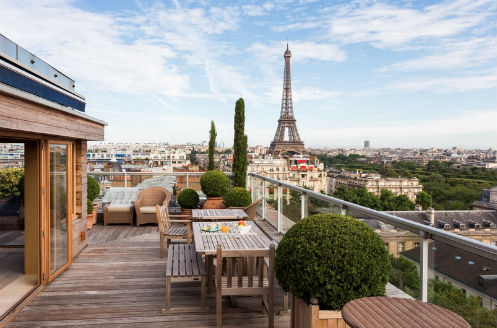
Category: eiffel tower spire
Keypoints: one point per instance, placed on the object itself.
(287, 121)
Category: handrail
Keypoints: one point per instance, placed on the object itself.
(461, 242)
(152, 173)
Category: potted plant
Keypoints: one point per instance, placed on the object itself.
(214, 185)
(237, 197)
(91, 213)
(92, 192)
(330, 259)
(188, 199)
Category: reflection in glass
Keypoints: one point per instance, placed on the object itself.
(58, 206)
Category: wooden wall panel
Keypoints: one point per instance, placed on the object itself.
(79, 223)
(24, 116)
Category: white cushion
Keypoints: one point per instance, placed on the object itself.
(118, 208)
(147, 209)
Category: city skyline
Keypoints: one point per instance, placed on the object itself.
(400, 74)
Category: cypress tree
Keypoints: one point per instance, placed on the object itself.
(239, 146)
(212, 147)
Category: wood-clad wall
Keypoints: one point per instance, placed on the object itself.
(79, 223)
(17, 114)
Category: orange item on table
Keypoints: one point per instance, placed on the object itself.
(241, 222)
(225, 229)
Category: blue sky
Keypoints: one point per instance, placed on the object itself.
(399, 73)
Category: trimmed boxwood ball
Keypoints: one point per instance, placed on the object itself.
(89, 206)
(188, 198)
(334, 258)
(93, 188)
(237, 197)
(214, 183)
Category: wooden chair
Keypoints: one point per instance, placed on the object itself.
(172, 229)
(250, 210)
(184, 264)
(233, 282)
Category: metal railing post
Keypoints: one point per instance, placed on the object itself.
(264, 199)
(252, 189)
(187, 180)
(280, 203)
(303, 205)
(423, 268)
(343, 209)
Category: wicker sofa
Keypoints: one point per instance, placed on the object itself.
(146, 201)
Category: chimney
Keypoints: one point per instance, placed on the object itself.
(431, 214)
(418, 207)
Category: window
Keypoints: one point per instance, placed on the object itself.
(400, 247)
(416, 244)
(386, 245)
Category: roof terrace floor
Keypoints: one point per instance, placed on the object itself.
(118, 281)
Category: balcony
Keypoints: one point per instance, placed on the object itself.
(118, 280)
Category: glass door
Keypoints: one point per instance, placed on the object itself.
(59, 217)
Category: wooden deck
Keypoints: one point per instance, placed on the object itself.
(118, 281)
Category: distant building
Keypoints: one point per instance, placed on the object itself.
(479, 225)
(474, 275)
(374, 183)
(487, 200)
(367, 144)
(298, 170)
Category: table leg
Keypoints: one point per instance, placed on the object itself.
(210, 273)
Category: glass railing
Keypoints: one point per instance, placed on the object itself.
(429, 263)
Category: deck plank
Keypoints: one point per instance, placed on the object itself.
(120, 283)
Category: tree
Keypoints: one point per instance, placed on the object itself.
(240, 146)
(9, 181)
(403, 203)
(387, 199)
(193, 156)
(424, 199)
(212, 147)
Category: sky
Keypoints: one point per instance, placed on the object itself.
(398, 73)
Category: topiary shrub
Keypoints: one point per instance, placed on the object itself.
(214, 183)
(333, 258)
(89, 206)
(92, 188)
(237, 197)
(188, 198)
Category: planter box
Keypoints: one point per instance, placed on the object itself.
(310, 316)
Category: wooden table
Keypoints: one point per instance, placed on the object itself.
(224, 214)
(390, 312)
(206, 242)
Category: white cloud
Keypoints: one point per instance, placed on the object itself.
(300, 51)
(460, 124)
(258, 10)
(452, 55)
(313, 93)
(390, 26)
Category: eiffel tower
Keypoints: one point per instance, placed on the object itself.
(287, 121)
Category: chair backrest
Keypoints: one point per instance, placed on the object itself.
(251, 210)
(245, 271)
(162, 213)
(154, 196)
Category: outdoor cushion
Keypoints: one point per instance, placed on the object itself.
(147, 209)
(118, 208)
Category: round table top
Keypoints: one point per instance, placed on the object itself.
(390, 312)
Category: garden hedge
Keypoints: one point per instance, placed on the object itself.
(188, 198)
(333, 258)
(214, 183)
(237, 197)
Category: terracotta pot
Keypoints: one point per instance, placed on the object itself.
(89, 219)
(95, 215)
(186, 211)
(214, 203)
